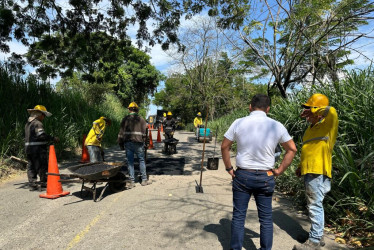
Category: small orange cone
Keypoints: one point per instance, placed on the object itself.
(150, 140)
(54, 188)
(85, 155)
(162, 129)
(158, 135)
(152, 126)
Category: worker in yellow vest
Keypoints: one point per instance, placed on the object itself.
(316, 163)
(197, 122)
(94, 138)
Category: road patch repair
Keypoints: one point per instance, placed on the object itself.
(163, 166)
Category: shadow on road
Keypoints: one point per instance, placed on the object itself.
(223, 232)
(288, 224)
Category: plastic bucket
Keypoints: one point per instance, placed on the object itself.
(213, 163)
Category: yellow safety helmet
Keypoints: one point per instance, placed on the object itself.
(317, 100)
(169, 113)
(164, 114)
(40, 108)
(133, 105)
(199, 114)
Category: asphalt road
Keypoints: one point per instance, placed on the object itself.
(169, 214)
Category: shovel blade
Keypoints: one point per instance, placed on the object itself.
(199, 189)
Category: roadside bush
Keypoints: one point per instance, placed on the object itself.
(72, 115)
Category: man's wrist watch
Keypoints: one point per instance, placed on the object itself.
(229, 169)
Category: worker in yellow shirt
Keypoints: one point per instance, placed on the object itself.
(197, 122)
(94, 138)
(316, 163)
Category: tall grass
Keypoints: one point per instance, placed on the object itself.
(72, 116)
(350, 204)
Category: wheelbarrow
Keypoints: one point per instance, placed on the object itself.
(170, 146)
(94, 173)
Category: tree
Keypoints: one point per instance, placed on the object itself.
(204, 65)
(297, 41)
(110, 62)
(27, 21)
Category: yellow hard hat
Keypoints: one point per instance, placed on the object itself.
(164, 114)
(133, 105)
(40, 108)
(169, 113)
(317, 100)
(199, 114)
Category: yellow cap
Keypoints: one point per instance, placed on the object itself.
(169, 113)
(199, 114)
(317, 100)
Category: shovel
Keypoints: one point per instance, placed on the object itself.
(213, 162)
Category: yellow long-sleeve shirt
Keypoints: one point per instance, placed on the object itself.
(318, 143)
(197, 121)
(96, 133)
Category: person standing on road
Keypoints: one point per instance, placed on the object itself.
(94, 138)
(256, 136)
(197, 122)
(131, 137)
(316, 162)
(36, 146)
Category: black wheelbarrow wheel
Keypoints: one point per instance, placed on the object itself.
(117, 183)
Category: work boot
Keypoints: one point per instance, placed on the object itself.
(131, 185)
(308, 245)
(304, 237)
(146, 182)
(33, 187)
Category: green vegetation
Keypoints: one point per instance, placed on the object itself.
(350, 204)
(72, 113)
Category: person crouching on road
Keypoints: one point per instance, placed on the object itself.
(257, 137)
(94, 138)
(36, 146)
(131, 137)
(316, 163)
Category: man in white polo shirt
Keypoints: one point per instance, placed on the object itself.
(256, 136)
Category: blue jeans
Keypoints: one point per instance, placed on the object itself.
(316, 187)
(132, 149)
(94, 152)
(262, 187)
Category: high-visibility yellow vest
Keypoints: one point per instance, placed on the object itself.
(198, 121)
(318, 143)
(96, 133)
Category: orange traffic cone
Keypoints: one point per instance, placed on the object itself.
(150, 140)
(158, 135)
(85, 155)
(54, 188)
(162, 129)
(152, 126)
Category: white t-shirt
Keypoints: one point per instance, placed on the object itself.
(257, 136)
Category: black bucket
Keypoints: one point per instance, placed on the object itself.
(213, 163)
